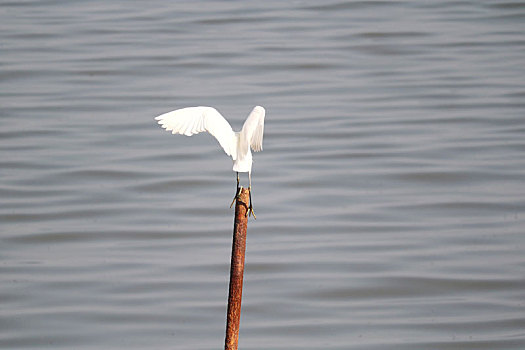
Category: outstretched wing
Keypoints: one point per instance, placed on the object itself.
(253, 128)
(193, 120)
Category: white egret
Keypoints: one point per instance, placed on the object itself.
(238, 145)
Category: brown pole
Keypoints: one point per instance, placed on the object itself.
(237, 271)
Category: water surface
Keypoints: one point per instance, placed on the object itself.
(390, 194)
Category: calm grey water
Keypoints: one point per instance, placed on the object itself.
(390, 195)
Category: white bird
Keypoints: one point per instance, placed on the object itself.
(193, 120)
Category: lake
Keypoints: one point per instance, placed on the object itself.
(390, 195)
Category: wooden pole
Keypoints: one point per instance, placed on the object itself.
(237, 270)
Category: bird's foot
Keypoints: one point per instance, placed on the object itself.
(250, 208)
(239, 189)
(251, 212)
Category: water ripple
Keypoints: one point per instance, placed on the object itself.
(389, 195)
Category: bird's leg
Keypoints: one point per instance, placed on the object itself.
(238, 192)
(250, 207)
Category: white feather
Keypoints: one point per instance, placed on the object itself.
(193, 120)
(253, 128)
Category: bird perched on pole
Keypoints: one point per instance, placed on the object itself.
(237, 144)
